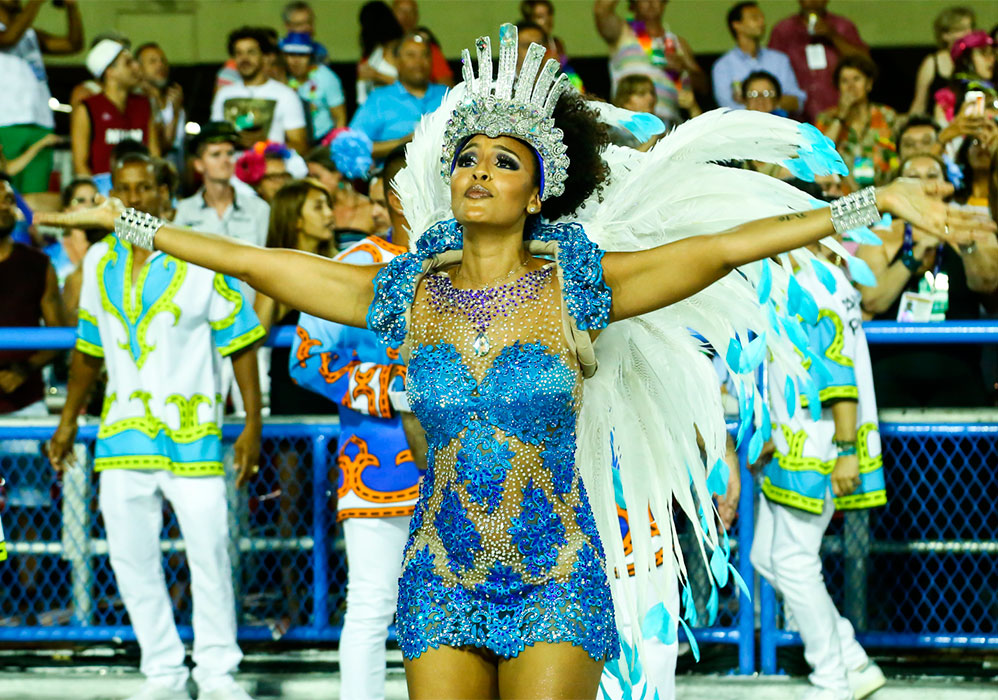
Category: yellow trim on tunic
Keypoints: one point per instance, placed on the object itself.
(240, 342)
(89, 348)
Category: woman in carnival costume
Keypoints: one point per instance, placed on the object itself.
(514, 202)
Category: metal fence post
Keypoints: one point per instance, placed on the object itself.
(320, 526)
(855, 560)
(76, 547)
(746, 531)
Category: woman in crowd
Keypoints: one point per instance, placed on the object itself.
(863, 131)
(937, 68)
(919, 278)
(380, 31)
(504, 590)
(79, 194)
(974, 69)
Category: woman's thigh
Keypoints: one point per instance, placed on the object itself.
(556, 671)
(449, 672)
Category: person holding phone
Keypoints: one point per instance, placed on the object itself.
(25, 115)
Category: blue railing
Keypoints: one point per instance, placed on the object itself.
(943, 447)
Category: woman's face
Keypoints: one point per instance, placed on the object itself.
(982, 59)
(855, 84)
(642, 101)
(316, 218)
(493, 182)
(961, 28)
(84, 197)
(760, 96)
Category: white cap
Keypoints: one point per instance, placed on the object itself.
(102, 55)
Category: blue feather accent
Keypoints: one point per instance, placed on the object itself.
(824, 275)
(864, 236)
(755, 446)
(767, 423)
(765, 282)
(351, 153)
(719, 566)
(694, 647)
(689, 606)
(643, 126)
(808, 307)
(861, 272)
(717, 480)
(794, 292)
(734, 355)
(712, 607)
(754, 354)
(790, 396)
(618, 490)
(795, 332)
(739, 581)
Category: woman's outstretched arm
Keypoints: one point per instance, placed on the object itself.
(651, 279)
(303, 281)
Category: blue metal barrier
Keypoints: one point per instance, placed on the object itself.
(935, 584)
(951, 612)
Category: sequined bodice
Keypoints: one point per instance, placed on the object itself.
(501, 488)
(503, 549)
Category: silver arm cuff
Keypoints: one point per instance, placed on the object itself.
(138, 228)
(855, 211)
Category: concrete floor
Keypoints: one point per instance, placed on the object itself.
(103, 673)
(103, 683)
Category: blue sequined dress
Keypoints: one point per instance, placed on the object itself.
(503, 551)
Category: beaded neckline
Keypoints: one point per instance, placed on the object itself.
(482, 306)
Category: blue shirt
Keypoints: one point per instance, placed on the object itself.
(321, 91)
(392, 112)
(735, 66)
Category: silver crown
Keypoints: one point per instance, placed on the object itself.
(494, 108)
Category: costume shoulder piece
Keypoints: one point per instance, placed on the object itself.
(587, 295)
(394, 288)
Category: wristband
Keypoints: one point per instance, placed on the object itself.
(909, 260)
(845, 448)
(137, 227)
(857, 210)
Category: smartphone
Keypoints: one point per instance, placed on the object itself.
(973, 103)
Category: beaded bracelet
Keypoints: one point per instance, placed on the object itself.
(137, 227)
(855, 211)
(845, 448)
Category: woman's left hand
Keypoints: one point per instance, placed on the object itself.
(920, 202)
(102, 216)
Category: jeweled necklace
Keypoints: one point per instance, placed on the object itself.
(481, 306)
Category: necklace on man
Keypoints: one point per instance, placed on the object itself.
(482, 306)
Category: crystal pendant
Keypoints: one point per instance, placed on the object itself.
(481, 345)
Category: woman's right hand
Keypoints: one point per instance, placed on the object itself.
(102, 216)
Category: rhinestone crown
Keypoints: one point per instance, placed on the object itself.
(495, 108)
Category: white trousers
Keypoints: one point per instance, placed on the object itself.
(374, 564)
(658, 660)
(131, 502)
(786, 553)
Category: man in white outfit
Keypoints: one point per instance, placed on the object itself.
(162, 327)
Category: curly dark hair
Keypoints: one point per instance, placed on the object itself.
(586, 137)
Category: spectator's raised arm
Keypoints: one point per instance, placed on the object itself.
(72, 41)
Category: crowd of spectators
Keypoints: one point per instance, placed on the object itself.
(280, 114)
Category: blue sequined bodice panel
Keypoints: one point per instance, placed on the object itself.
(503, 552)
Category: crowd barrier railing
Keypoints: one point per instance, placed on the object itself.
(292, 569)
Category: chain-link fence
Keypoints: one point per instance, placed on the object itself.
(289, 568)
